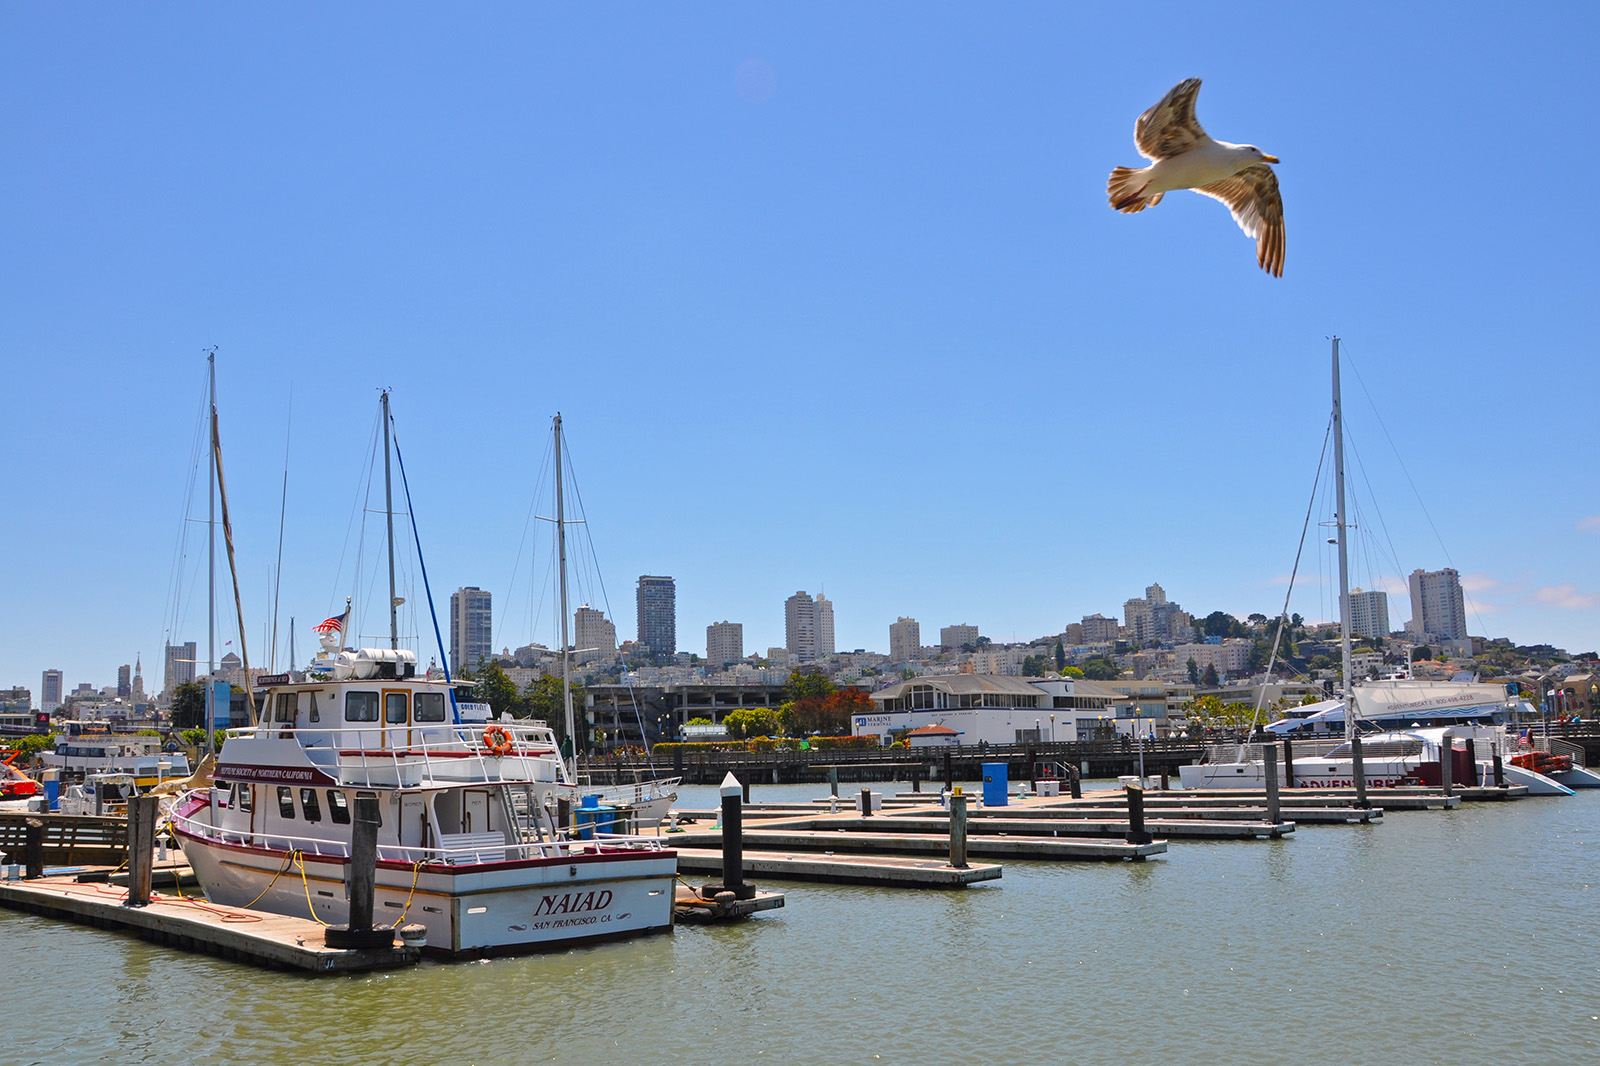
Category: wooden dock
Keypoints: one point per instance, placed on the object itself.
(1079, 849)
(256, 937)
(692, 906)
(886, 871)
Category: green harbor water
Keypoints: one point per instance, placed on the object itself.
(1471, 936)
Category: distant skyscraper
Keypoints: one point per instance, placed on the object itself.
(124, 681)
(138, 680)
(471, 627)
(951, 638)
(50, 691)
(180, 667)
(724, 643)
(657, 602)
(1438, 610)
(1369, 613)
(905, 640)
(800, 626)
(824, 608)
(594, 636)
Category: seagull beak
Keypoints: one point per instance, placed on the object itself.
(1269, 158)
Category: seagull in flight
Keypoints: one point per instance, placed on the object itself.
(1183, 157)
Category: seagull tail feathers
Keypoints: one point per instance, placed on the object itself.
(1125, 190)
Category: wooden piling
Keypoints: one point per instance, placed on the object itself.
(1472, 764)
(33, 849)
(866, 803)
(949, 772)
(833, 780)
(143, 813)
(1136, 833)
(1358, 772)
(1075, 781)
(1269, 763)
(361, 878)
(733, 839)
(958, 831)
(1499, 770)
(1288, 763)
(1447, 745)
(744, 790)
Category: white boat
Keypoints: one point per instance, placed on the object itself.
(469, 845)
(105, 794)
(78, 755)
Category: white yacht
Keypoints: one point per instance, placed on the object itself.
(469, 846)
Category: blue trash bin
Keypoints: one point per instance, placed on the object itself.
(994, 784)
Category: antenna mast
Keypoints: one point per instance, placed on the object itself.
(388, 513)
(1340, 525)
(566, 649)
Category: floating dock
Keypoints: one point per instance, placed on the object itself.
(788, 839)
(887, 871)
(270, 940)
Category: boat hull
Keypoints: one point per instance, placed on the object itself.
(468, 910)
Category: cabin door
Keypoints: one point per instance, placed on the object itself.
(474, 812)
(396, 718)
(413, 827)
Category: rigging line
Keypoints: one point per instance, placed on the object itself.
(438, 638)
(283, 510)
(363, 475)
(606, 599)
(174, 603)
(527, 526)
(1409, 480)
(1367, 481)
(1294, 571)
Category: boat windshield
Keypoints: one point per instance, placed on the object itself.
(1386, 748)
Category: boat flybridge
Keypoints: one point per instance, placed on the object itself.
(468, 846)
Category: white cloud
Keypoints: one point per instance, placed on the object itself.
(1566, 597)
(1478, 583)
(1590, 524)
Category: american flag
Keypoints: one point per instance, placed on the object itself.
(332, 625)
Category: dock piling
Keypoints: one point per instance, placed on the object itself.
(361, 881)
(1358, 771)
(732, 844)
(1499, 770)
(33, 848)
(1472, 764)
(1269, 764)
(1075, 781)
(866, 803)
(143, 813)
(1447, 755)
(958, 831)
(1288, 763)
(833, 780)
(1136, 833)
(949, 773)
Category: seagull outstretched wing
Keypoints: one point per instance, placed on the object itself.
(1170, 128)
(1252, 195)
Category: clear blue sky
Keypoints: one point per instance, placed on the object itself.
(829, 297)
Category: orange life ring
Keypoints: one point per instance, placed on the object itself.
(497, 740)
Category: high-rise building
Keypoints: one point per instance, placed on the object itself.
(824, 610)
(1369, 613)
(951, 638)
(800, 626)
(50, 691)
(124, 681)
(657, 602)
(180, 668)
(905, 640)
(724, 643)
(1438, 610)
(594, 636)
(1098, 629)
(471, 627)
(138, 680)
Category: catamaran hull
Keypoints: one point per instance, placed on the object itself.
(1336, 773)
(480, 909)
(1577, 777)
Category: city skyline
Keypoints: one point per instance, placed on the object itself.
(605, 220)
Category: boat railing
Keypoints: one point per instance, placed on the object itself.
(377, 755)
(461, 850)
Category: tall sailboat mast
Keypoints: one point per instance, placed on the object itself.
(388, 513)
(1341, 525)
(211, 560)
(561, 556)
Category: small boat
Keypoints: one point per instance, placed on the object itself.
(103, 794)
(19, 793)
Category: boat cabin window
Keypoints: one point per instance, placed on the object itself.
(1381, 749)
(316, 715)
(308, 803)
(428, 706)
(226, 797)
(286, 801)
(361, 706)
(284, 707)
(245, 794)
(338, 807)
(394, 708)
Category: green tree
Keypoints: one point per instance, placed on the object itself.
(699, 721)
(1209, 679)
(497, 690)
(1061, 656)
(1194, 671)
(189, 706)
(1222, 624)
(29, 746)
(1101, 668)
(752, 722)
(810, 684)
(1035, 665)
(1071, 671)
(542, 700)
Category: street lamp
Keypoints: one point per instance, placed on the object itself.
(1139, 740)
(1052, 729)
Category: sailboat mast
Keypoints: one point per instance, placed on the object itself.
(388, 513)
(211, 563)
(561, 555)
(1341, 526)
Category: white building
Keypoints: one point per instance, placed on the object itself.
(724, 644)
(998, 710)
(1369, 613)
(471, 627)
(594, 636)
(1438, 610)
(50, 696)
(1098, 629)
(1229, 657)
(905, 640)
(824, 612)
(951, 638)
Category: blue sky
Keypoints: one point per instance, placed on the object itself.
(829, 297)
